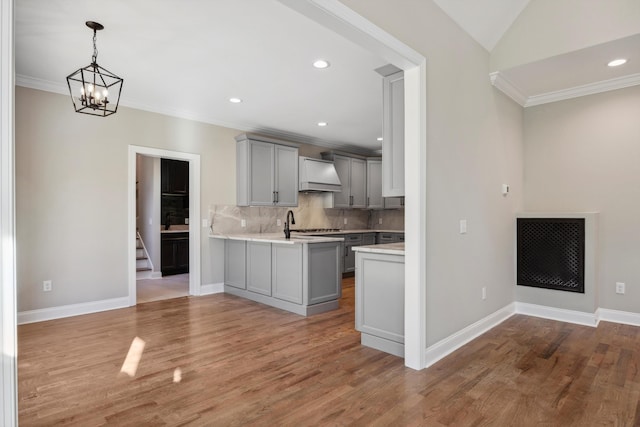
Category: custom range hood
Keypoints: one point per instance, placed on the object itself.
(318, 175)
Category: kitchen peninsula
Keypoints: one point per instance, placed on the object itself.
(302, 274)
(380, 296)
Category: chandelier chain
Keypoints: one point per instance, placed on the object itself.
(94, 58)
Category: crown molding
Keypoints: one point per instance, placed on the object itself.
(584, 90)
(62, 89)
(504, 85)
(512, 91)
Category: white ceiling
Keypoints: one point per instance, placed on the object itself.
(188, 58)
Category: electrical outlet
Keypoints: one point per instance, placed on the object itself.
(620, 288)
(278, 222)
(463, 226)
(205, 223)
(484, 292)
(46, 286)
(345, 221)
(186, 221)
(243, 223)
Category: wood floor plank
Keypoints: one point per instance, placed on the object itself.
(242, 363)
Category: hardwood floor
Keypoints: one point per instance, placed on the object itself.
(243, 363)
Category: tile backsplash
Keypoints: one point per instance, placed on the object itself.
(310, 213)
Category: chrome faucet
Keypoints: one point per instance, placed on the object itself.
(287, 232)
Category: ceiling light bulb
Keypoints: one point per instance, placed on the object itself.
(617, 62)
(235, 100)
(105, 93)
(321, 63)
(322, 124)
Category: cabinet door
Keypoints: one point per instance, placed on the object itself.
(174, 176)
(286, 272)
(167, 256)
(358, 183)
(235, 263)
(374, 185)
(393, 202)
(393, 136)
(368, 239)
(261, 174)
(182, 255)
(286, 175)
(324, 272)
(341, 199)
(259, 267)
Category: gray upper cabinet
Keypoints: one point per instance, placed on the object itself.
(393, 135)
(353, 177)
(267, 173)
(374, 184)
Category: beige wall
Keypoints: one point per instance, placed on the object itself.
(584, 155)
(552, 27)
(474, 145)
(71, 194)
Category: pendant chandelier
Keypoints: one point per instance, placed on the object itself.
(93, 89)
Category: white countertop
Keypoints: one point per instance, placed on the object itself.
(356, 231)
(276, 238)
(385, 248)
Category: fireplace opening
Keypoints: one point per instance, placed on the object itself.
(550, 253)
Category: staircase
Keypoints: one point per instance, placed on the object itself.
(144, 267)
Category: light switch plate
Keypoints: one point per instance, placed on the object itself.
(205, 223)
(463, 226)
(243, 223)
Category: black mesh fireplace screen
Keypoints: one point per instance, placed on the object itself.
(550, 253)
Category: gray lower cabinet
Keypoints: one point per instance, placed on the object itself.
(259, 267)
(369, 239)
(380, 301)
(386, 237)
(351, 240)
(235, 258)
(304, 278)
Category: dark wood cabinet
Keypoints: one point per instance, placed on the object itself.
(174, 177)
(174, 253)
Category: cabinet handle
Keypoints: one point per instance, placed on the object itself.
(273, 197)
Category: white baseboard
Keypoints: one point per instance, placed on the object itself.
(51, 313)
(560, 314)
(450, 344)
(616, 316)
(213, 288)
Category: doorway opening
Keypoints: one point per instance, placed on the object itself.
(163, 224)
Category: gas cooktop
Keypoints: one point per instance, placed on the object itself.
(315, 230)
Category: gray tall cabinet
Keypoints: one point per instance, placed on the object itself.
(393, 135)
(266, 171)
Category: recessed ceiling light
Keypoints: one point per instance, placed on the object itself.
(321, 63)
(617, 62)
(379, 138)
(235, 100)
(322, 124)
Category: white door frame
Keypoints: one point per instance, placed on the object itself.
(195, 277)
(338, 17)
(8, 317)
